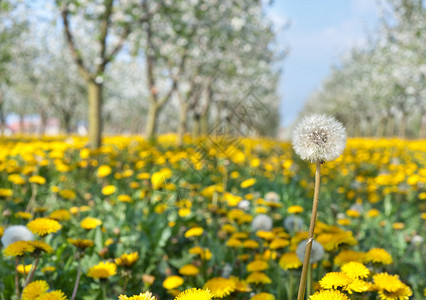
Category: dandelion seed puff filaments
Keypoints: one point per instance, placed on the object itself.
(16, 233)
(319, 138)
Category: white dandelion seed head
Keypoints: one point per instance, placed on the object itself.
(261, 222)
(317, 251)
(293, 223)
(244, 205)
(319, 138)
(272, 197)
(417, 240)
(357, 207)
(227, 270)
(16, 233)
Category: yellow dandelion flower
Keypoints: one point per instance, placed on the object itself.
(60, 215)
(355, 269)
(195, 294)
(344, 222)
(352, 213)
(379, 255)
(108, 190)
(290, 261)
(6, 192)
(266, 235)
(257, 266)
(372, 213)
(204, 254)
(67, 194)
(103, 171)
(333, 280)
(346, 256)
(240, 235)
(19, 248)
(127, 260)
(279, 243)
(48, 269)
(40, 246)
(16, 179)
(388, 283)
(358, 286)
(402, 293)
(263, 296)
(332, 241)
(124, 198)
(53, 295)
(229, 228)
(90, 223)
(328, 295)
(248, 183)
(102, 270)
(398, 225)
(250, 244)
(258, 278)
(234, 243)
(37, 179)
(220, 287)
(241, 286)
(194, 231)
(172, 282)
(23, 269)
(81, 243)
(1, 231)
(141, 296)
(189, 270)
(23, 215)
(295, 209)
(43, 226)
(34, 290)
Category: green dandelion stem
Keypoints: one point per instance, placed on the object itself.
(31, 202)
(104, 287)
(290, 286)
(302, 286)
(126, 281)
(77, 280)
(17, 278)
(32, 271)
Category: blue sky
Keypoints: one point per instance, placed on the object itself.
(319, 33)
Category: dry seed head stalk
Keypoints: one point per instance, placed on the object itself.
(319, 138)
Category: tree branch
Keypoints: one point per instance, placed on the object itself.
(71, 45)
(105, 24)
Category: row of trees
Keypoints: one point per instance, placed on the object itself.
(139, 66)
(380, 89)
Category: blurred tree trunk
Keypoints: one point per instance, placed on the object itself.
(95, 117)
(204, 126)
(93, 74)
(21, 123)
(403, 126)
(422, 133)
(390, 127)
(182, 121)
(43, 122)
(2, 115)
(66, 122)
(196, 124)
(380, 129)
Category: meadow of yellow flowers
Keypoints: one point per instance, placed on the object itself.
(211, 219)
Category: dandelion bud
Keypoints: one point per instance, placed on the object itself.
(319, 138)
